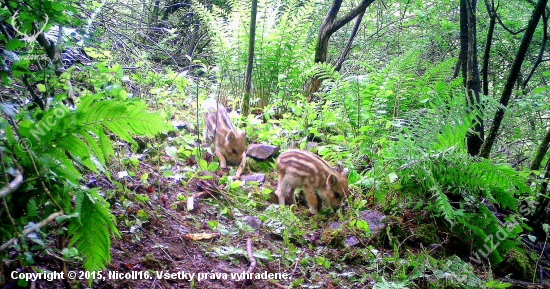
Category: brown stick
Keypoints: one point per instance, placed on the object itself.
(250, 256)
(33, 228)
(279, 285)
(13, 185)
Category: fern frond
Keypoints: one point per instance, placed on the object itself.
(324, 70)
(92, 142)
(443, 205)
(431, 170)
(78, 150)
(121, 118)
(61, 165)
(91, 231)
(105, 143)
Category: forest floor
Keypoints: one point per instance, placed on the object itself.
(165, 245)
(158, 235)
(161, 244)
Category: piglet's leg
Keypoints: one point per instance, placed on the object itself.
(223, 163)
(281, 190)
(240, 170)
(311, 198)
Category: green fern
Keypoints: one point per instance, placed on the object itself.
(434, 165)
(283, 50)
(81, 133)
(473, 180)
(91, 232)
(66, 142)
(326, 71)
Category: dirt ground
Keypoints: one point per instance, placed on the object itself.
(156, 249)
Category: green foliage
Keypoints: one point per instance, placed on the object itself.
(433, 166)
(394, 95)
(453, 273)
(56, 146)
(61, 135)
(60, 144)
(385, 94)
(390, 285)
(91, 231)
(283, 50)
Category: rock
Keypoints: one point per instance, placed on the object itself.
(339, 233)
(311, 145)
(352, 241)
(334, 225)
(181, 125)
(377, 221)
(260, 178)
(517, 264)
(261, 152)
(252, 221)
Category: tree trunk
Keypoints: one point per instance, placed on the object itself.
(490, 32)
(474, 140)
(541, 152)
(541, 216)
(329, 26)
(463, 56)
(513, 77)
(248, 77)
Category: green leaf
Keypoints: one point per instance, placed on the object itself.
(41, 87)
(212, 167)
(540, 89)
(32, 209)
(440, 86)
(363, 226)
(203, 165)
(145, 177)
(14, 44)
(171, 151)
(236, 184)
(353, 177)
(91, 232)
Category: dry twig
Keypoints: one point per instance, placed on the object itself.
(250, 256)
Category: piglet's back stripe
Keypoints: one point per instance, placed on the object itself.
(308, 157)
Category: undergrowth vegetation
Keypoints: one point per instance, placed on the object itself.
(284, 50)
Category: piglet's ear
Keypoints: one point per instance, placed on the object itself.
(332, 180)
(230, 136)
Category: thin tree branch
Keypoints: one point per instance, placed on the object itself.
(350, 16)
(487, 53)
(538, 61)
(350, 41)
(33, 228)
(13, 185)
(508, 29)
